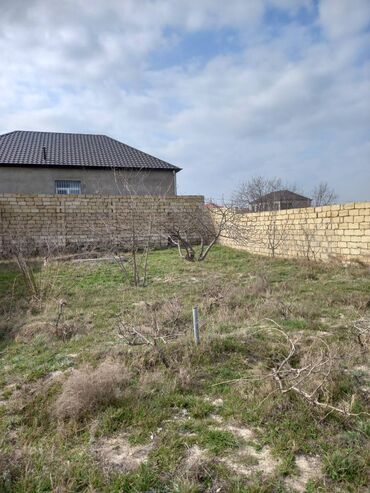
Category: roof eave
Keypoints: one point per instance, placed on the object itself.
(80, 166)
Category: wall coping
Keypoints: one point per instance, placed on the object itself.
(323, 208)
(95, 196)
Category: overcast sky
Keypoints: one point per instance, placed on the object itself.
(226, 89)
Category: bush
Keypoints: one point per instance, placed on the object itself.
(89, 389)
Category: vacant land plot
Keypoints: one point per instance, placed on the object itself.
(103, 390)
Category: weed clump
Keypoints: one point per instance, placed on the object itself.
(88, 389)
(11, 465)
(346, 466)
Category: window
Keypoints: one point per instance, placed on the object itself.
(67, 187)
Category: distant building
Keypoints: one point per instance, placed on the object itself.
(64, 163)
(280, 200)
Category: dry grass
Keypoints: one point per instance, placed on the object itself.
(89, 389)
(229, 304)
(10, 467)
(160, 320)
(63, 331)
(259, 285)
(185, 378)
(184, 426)
(30, 330)
(152, 381)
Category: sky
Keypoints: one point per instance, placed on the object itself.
(227, 90)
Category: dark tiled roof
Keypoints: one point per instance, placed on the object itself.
(22, 148)
(281, 195)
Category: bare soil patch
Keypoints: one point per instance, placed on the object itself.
(309, 468)
(118, 453)
(247, 460)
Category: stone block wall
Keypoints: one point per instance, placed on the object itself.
(40, 222)
(339, 232)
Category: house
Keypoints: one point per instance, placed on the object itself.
(67, 163)
(279, 200)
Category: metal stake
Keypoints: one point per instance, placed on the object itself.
(196, 326)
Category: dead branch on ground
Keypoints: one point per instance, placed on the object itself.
(362, 327)
(307, 380)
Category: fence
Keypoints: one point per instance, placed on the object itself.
(69, 222)
(331, 232)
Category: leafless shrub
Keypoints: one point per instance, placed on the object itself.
(310, 241)
(275, 307)
(28, 275)
(311, 238)
(64, 329)
(88, 389)
(170, 314)
(160, 323)
(38, 276)
(166, 318)
(9, 306)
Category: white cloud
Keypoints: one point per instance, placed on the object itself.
(294, 105)
(344, 17)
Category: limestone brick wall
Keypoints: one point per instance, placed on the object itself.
(331, 232)
(37, 222)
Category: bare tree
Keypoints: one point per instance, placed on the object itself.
(252, 193)
(128, 238)
(265, 194)
(204, 228)
(322, 194)
(276, 231)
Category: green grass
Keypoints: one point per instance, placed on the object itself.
(175, 409)
(218, 441)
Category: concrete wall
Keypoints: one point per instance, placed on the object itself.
(339, 232)
(35, 180)
(70, 222)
